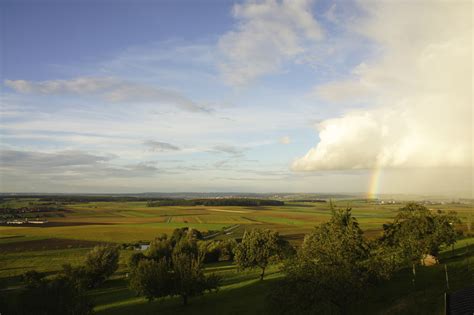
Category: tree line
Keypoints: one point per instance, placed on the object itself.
(245, 202)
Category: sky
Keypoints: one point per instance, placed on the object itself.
(370, 97)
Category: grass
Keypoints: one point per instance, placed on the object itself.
(126, 222)
(239, 290)
(242, 293)
(122, 222)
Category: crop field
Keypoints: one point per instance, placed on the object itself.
(121, 222)
(69, 234)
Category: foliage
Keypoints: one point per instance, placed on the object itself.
(416, 231)
(78, 276)
(332, 269)
(160, 247)
(101, 263)
(258, 249)
(151, 278)
(245, 202)
(189, 279)
(211, 249)
(57, 296)
(228, 247)
(135, 258)
(185, 232)
(181, 273)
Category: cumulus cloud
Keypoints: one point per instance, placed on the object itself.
(419, 88)
(108, 88)
(269, 33)
(157, 146)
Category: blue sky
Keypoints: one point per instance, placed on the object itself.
(288, 96)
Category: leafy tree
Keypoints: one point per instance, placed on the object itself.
(190, 247)
(181, 274)
(135, 258)
(331, 271)
(211, 249)
(101, 263)
(444, 231)
(228, 247)
(416, 231)
(160, 247)
(185, 232)
(189, 279)
(79, 276)
(258, 249)
(152, 279)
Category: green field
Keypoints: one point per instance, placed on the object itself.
(70, 234)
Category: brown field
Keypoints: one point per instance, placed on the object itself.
(43, 244)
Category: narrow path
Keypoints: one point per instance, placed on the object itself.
(229, 229)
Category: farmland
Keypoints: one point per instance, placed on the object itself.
(70, 233)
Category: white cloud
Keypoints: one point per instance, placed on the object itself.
(269, 33)
(419, 88)
(108, 88)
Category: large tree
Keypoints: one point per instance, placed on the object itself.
(417, 231)
(332, 269)
(101, 263)
(188, 277)
(258, 249)
(152, 279)
(172, 267)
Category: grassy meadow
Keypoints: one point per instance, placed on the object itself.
(70, 234)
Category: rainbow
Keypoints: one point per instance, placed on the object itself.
(374, 183)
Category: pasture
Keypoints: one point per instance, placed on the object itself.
(69, 234)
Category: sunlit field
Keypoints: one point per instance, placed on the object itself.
(121, 222)
(73, 231)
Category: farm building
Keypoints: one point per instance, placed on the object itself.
(38, 221)
(15, 222)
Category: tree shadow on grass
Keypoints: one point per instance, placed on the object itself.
(248, 299)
